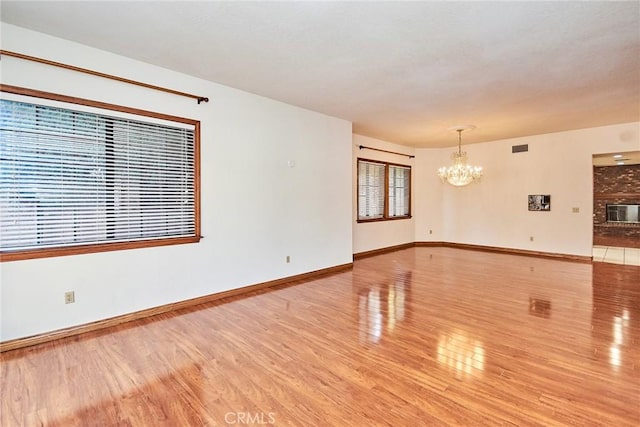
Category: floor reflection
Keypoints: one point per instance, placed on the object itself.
(615, 326)
(461, 354)
(382, 306)
(540, 307)
(370, 316)
(620, 335)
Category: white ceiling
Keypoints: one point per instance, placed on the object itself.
(400, 71)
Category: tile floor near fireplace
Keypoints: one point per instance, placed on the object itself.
(615, 255)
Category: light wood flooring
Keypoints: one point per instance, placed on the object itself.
(416, 337)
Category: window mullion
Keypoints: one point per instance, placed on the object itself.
(386, 190)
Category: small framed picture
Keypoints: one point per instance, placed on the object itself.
(539, 202)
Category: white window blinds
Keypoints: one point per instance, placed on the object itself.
(399, 178)
(71, 178)
(371, 194)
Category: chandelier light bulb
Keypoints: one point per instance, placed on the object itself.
(460, 173)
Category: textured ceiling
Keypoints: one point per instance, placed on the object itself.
(400, 71)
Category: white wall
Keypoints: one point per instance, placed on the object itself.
(380, 234)
(494, 212)
(255, 209)
(428, 194)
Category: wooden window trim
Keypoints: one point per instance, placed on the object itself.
(391, 218)
(386, 191)
(116, 246)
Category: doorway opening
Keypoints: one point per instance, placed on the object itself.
(616, 204)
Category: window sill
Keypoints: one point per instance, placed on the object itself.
(93, 248)
(395, 218)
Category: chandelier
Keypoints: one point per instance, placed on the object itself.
(460, 173)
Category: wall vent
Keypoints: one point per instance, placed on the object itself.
(520, 148)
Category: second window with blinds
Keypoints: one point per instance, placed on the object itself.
(384, 191)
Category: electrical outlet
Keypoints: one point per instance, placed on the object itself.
(69, 297)
(531, 238)
(288, 259)
(430, 231)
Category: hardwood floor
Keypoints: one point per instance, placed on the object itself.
(421, 336)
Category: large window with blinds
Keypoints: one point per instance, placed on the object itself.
(84, 178)
(384, 191)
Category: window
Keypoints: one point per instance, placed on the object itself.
(384, 191)
(623, 213)
(87, 179)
